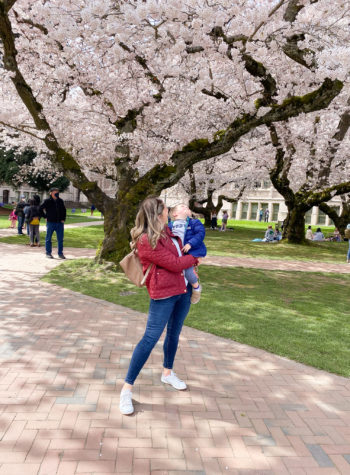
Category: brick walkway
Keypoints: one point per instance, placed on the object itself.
(62, 360)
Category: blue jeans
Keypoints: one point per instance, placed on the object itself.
(50, 228)
(170, 312)
(20, 222)
(348, 258)
(191, 276)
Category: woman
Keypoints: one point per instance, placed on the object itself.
(309, 234)
(170, 293)
(318, 236)
(224, 221)
(34, 223)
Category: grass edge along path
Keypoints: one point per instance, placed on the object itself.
(237, 243)
(301, 316)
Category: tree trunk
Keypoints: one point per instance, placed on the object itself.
(296, 226)
(204, 210)
(119, 218)
(341, 221)
(207, 219)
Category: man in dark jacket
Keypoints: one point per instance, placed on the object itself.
(19, 212)
(54, 212)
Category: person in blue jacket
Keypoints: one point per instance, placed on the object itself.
(192, 233)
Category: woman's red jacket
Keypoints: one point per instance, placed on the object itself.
(166, 278)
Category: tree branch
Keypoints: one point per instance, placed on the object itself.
(61, 158)
(202, 149)
(20, 130)
(291, 48)
(338, 137)
(8, 4)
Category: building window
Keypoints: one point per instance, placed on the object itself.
(337, 210)
(234, 210)
(266, 184)
(244, 211)
(275, 210)
(264, 206)
(308, 215)
(321, 217)
(254, 211)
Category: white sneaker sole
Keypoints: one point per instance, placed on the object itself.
(177, 388)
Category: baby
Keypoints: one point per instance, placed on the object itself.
(192, 233)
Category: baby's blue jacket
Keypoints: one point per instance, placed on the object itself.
(195, 234)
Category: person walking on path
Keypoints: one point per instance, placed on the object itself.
(20, 215)
(54, 211)
(169, 291)
(34, 223)
(192, 234)
(261, 212)
(347, 235)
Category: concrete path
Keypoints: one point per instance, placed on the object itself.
(274, 264)
(63, 357)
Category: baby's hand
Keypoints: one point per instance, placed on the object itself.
(186, 248)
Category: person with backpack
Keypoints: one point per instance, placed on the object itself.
(34, 223)
(170, 293)
(347, 235)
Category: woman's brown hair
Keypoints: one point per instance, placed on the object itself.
(148, 222)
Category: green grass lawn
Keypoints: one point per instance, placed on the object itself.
(87, 237)
(236, 243)
(305, 319)
(71, 219)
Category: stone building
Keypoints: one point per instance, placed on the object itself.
(262, 196)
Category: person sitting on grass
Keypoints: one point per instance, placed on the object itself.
(309, 234)
(277, 236)
(269, 234)
(318, 236)
(191, 232)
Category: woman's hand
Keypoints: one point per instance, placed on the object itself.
(200, 259)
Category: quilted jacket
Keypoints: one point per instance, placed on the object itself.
(166, 278)
(195, 234)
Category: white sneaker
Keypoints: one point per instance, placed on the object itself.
(174, 381)
(125, 403)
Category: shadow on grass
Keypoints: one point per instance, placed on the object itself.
(293, 314)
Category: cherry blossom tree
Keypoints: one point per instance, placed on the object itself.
(342, 219)
(220, 179)
(311, 162)
(140, 91)
(25, 167)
